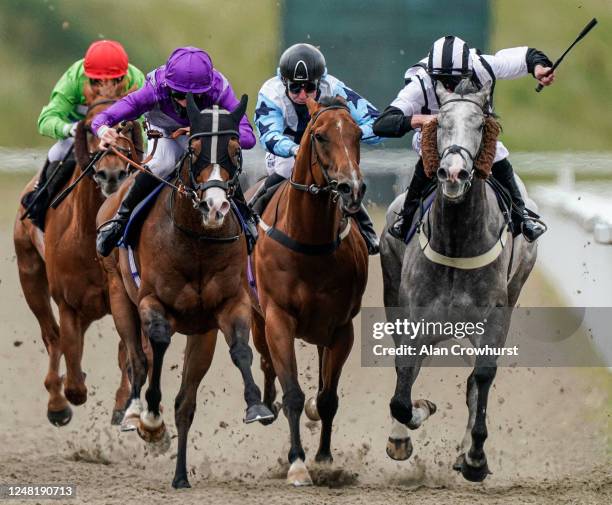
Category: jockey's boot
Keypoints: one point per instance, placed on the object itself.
(110, 232)
(250, 222)
(367, 230)
(530, 228)
(418, 184)
(264, 194)
(54, 175)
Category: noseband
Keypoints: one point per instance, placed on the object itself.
(330, 184)
(457, 149)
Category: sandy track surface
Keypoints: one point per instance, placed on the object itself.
(548, 428)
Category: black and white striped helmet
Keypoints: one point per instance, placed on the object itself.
(449, 56)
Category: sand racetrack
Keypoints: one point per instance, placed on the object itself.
(549, 428)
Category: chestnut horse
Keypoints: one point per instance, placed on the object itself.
(192, 255)
(62, 263)
(311, 269)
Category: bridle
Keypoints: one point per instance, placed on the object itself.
(228, 186)
(331, 185)
(457, 149)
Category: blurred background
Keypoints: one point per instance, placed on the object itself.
(367, 43)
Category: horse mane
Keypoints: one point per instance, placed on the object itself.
(482, 164)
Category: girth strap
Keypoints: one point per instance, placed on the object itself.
(308, 249)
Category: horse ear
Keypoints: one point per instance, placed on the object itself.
(443, 95)
(484, 94)
(313, 106)
(193, 111)
(239, 111)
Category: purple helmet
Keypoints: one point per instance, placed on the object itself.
(189, 69)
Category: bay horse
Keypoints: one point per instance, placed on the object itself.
(311, 268)
(62, 263)
(191, 256)
(462, 264)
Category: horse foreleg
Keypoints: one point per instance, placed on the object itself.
(122, 395)
(33, 277)
(280, 331)
(72, 329)
(473, 463)
(404, 411)
(158, 330)
(333, 360)
(258, 328)
(198, 357)
(127, 322)
(235, 325)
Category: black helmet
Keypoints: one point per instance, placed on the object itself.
(302, 62)
(449, 56)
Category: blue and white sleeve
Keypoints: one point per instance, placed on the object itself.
(363, 112)
(270, 123)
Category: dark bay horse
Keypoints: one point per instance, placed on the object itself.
(311, 267)
(62, 263)
(191, 254)
(462, 265)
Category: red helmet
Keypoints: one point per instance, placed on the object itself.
(105, 59)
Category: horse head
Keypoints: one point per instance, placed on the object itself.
(334, 143)
(462, 138)
(215, 158)
(109, 171)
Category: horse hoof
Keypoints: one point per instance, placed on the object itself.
(276, 408)
(130, 423)
(298, 475)
(473, 473)
(324, 459)
(76, 396)
(180, 483)
(151, 428)
(117, 417)
(399, 449)
(258, 412)
(60, 417)
(311, 409)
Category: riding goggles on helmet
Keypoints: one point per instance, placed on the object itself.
(296, 87)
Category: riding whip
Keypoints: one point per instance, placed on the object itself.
(582, 34)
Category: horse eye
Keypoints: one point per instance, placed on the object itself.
(320, 137)
(481, 126)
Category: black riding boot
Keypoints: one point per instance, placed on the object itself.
(264, 194)
(54, 175)
(248, 217)
(531, 229)
(111, 231)
(366, 227)
(418, 184)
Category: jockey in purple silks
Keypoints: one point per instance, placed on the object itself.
(162, 100)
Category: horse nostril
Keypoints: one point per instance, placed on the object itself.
(102, 175)
(204, 207)
(122, 175)
(344, 188)
(464, 175)
(225, 207)
(442, 174)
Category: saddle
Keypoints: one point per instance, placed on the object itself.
(504, 201)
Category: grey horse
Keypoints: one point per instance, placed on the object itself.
(462, 265)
